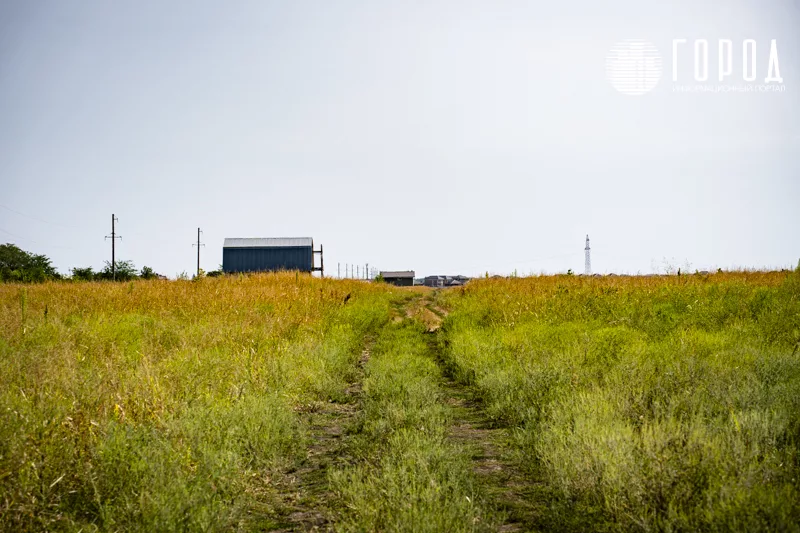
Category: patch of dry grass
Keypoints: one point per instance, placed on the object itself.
(162, 405)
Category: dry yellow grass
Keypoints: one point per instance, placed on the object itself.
(124, 405)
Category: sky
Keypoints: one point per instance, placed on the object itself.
(445, 137)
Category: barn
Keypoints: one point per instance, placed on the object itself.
(268, 254)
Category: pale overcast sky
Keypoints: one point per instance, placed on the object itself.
(441, 136)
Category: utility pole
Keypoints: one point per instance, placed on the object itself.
(113, 238)
(198, 251)
(358, 275)
(339, 270)
(366, 271)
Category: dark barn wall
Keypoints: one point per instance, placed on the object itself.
(400, 282)
(267, 259)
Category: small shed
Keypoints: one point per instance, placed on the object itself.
(268, 254)
(403, 278)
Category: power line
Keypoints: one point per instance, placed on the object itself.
(16, 236)
(24, 239)
(37, 218)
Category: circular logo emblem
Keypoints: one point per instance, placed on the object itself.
(633, 66)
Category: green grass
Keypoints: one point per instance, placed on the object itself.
(650, 404)
(408, 476)
(621, 404)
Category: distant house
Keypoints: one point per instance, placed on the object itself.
(445, 281)
(435, 281)
(268, 254)
(403, 278)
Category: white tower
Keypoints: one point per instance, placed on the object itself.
(588, 266)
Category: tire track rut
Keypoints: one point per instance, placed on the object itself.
(504, 484)
(306, 493)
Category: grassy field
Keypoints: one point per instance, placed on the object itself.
(285, 402)
(651, 404)
(158, 406)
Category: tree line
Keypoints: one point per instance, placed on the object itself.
(17, 265)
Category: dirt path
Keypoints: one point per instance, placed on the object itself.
(506, 487)
(307, 498)
(306, 495)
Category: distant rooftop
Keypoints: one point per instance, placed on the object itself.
(279, 242)
(397, 273)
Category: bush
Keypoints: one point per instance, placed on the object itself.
(125, 271)
(148, 273)
(83, 274)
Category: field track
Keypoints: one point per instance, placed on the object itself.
(308, 497)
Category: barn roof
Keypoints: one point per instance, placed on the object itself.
(280, 242)
(398, 274)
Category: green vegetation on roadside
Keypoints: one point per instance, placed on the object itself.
(163, 406)
(642, 404)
